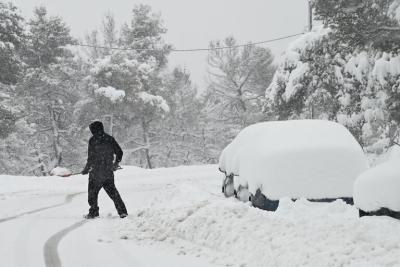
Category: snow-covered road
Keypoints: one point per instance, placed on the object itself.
(44, 227)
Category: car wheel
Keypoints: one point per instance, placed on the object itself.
(259, 200)
(227, 187)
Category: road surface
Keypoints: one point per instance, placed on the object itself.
(42, 229)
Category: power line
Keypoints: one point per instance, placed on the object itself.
(187, 50)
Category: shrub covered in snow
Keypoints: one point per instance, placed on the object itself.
(306, 158)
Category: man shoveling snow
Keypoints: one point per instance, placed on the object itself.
(100, 166)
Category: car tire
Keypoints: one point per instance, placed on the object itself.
(228, 187)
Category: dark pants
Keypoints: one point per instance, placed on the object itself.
(103, 179)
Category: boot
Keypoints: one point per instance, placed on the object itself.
(91, 216)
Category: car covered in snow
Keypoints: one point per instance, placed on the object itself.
(377, 190)
(315, 159)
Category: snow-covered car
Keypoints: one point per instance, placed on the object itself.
(315, 159)
(376, 191)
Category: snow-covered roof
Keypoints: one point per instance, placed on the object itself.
(379, 187)
(304, 158)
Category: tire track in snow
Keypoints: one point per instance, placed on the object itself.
(51, 257)
(68, 199)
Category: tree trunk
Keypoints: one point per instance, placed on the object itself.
(148, 159)
(111, 127)
(44, 173)
(147, 142)
(56, 140)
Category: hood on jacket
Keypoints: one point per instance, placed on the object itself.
(97, 128)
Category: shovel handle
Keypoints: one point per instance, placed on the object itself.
(68, 175)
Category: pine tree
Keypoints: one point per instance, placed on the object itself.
(182, 140)
(49, 90)
(308, 82)
(12, 36)
(239, 77)
(361, 23)
(145, 32)
(134, 118)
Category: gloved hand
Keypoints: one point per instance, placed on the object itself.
(85, 170)
(115, 166)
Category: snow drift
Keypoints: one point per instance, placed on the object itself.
(299, 233)
(307, 158)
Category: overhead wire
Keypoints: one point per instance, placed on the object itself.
(188, 50)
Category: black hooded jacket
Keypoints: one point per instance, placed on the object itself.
(102, 148)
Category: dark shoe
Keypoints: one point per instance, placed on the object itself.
(90, 216)
(123, 215)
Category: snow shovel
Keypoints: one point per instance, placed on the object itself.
(76, 173)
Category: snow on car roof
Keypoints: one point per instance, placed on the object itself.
(303, 158)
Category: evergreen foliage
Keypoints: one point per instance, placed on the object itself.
(12, 36)
(360, 23)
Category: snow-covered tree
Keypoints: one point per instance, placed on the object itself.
(49, 90)
(123, 86)
(321, 80)
(12, 35)
(239, 77)
(361, 23)
(369, 32)
(182, 139)
(216, 130)
(15, 134)
(144, 32)
(49, 37)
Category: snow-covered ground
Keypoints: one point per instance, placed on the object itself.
(179, 217)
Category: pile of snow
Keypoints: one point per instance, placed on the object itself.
(112, 93)
(306, 158)
(58, 171)
(379, 187)
(299, 233)
(157, 101)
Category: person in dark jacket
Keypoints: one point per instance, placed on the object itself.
(101, 166)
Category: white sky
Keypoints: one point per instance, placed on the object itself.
(190, 23)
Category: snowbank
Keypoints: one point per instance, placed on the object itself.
(379, 187)
(306, 158)
(298, 234)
